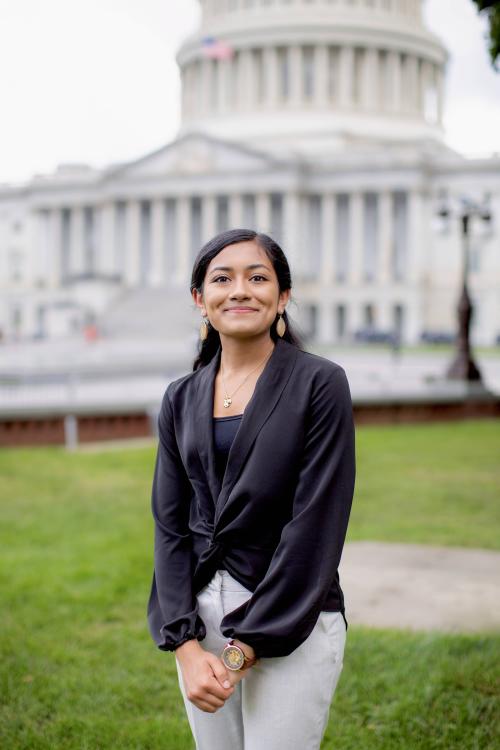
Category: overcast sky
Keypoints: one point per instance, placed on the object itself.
(95, 81)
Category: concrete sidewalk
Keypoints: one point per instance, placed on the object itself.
(421, 587)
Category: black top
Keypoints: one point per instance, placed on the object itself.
(278, 519)
(225, 429)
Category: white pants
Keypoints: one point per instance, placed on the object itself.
(283, 702)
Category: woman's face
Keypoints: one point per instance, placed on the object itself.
(241, 294)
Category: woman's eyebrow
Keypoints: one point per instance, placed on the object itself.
(247, 268)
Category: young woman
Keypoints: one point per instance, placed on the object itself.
(252, 492)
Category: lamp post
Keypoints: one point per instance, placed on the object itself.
(463, 366)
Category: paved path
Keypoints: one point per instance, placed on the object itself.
(421, 587)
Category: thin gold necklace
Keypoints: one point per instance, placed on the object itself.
(228, 398)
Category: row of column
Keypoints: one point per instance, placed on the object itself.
(410, 8)
(330, 238)
(344, 77)
(328, 322)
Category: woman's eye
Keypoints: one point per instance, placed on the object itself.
(257, 276)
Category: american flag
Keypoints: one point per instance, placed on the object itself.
(216, 49)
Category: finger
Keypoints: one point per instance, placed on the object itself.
(215, 688)
(208, 703)
(220, 671)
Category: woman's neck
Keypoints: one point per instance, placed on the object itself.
(242, 354)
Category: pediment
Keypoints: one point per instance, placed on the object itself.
(194, 155)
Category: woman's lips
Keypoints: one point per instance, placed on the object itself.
(241, 309)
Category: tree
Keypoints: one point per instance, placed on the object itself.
(491, 8)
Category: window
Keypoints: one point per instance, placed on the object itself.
(357, 76)
(369, 316)
(283, 73)
(222, 213)
(89, 239)
(259, 77)
(120, 235)
(340, 321)
(249, 211)
(310, 322)
(170, 236)
(308, 72)
(65, 243)
(196, 226)
(400, 234)
(333, 73)
(277, 217)
(314, 226)
(398, 321)
(370, 245)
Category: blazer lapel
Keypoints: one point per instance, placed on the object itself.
(268, 389)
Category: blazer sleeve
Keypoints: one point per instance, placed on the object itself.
(172, 609)
(285, 606)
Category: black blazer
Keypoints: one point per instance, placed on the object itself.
(279, 520)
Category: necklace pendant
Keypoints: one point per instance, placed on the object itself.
(227, 402)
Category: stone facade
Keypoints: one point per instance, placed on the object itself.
(324, 128)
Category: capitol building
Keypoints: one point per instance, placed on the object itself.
(319, 122)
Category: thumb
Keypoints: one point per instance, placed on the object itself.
(220, 671)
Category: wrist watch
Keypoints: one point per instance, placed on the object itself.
(234, 657)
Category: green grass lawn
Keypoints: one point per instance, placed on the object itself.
(78, 669)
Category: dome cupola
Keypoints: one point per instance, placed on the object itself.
(287, 72)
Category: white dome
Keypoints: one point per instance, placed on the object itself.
(300, 73)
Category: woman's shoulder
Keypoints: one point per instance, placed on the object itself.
(314, 364)
(184, 383)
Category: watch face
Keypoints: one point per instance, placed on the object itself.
(233, 658)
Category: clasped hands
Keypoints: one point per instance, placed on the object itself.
(207, 681)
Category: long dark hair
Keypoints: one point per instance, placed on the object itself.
(207, 349)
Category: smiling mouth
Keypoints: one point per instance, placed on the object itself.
(240, 309)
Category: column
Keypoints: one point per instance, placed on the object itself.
(248, 84)
(325, 333)
(157, 271)
(55, 260)
(132, 271)
(321, 74)
(410, 84)
(263, 211)
(385, 237)
(396, 81)
(328, 241)
(271, 71)
(356, 249)
(226, 75)
(370, 82)
(208, 212)
(416, 227)
(439, 77)
(218, 72)
(183, 255)
(42, 239)
(107, 256)
(76, 260)
(235, 211)
(206, 73)
(295, 62)
(346, 66)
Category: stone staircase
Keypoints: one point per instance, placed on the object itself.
(151, 313)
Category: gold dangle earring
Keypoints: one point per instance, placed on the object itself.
(204, 329)
(280, 326)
